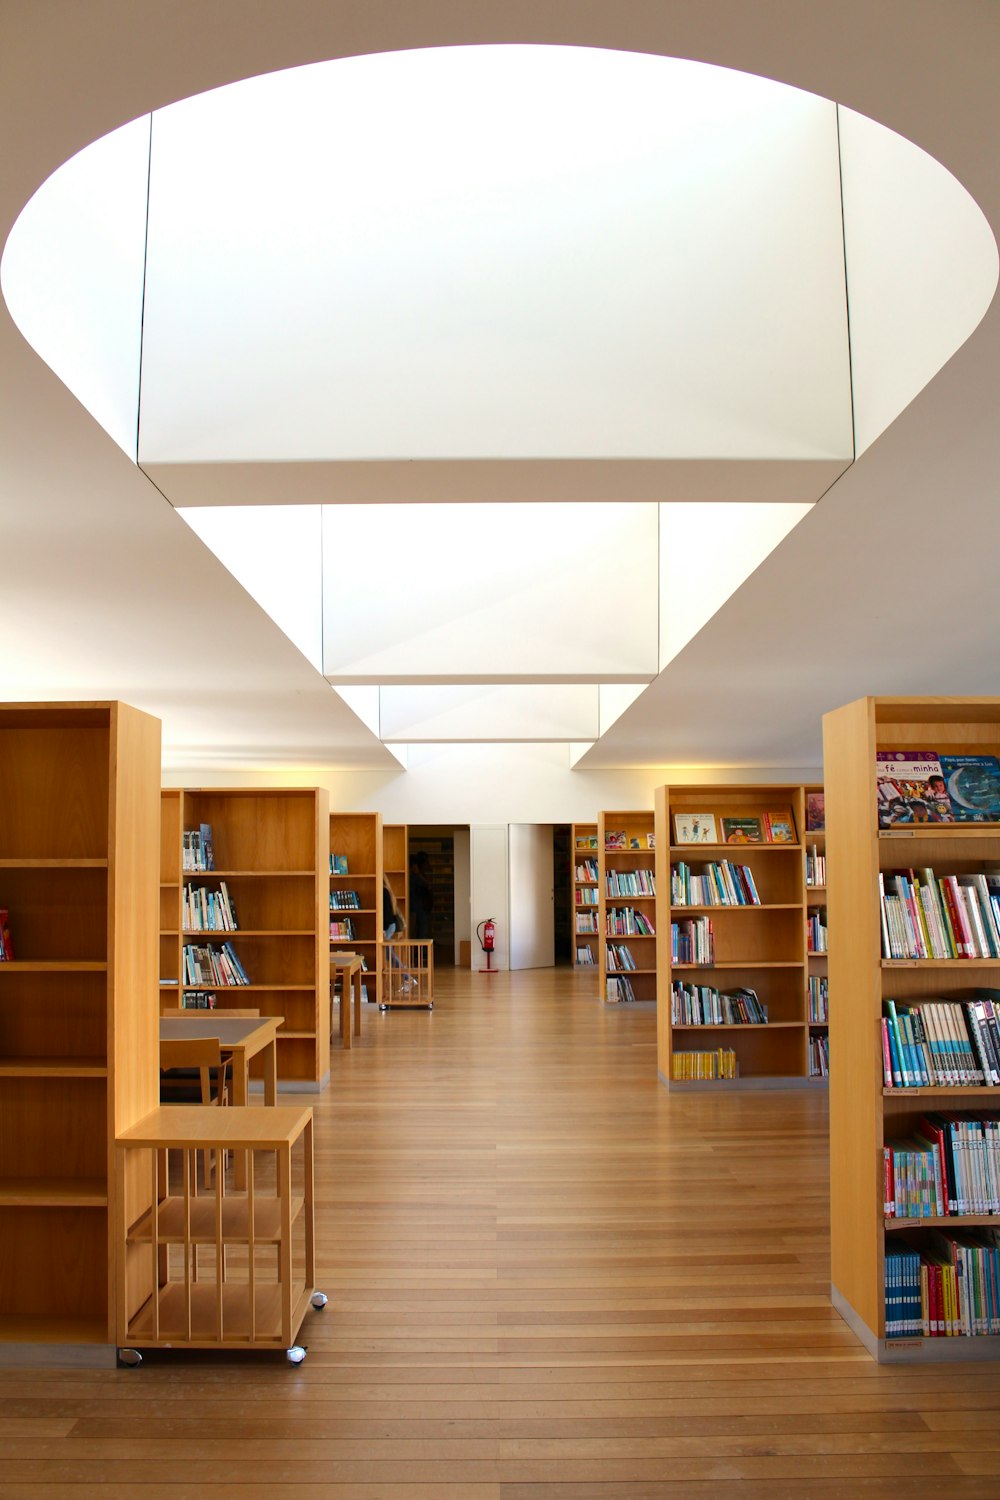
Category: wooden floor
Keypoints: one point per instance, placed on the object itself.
(548, 1278)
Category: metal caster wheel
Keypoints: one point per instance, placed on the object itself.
(295, 1355)
(130, 1358)
(383, 1007)
(431, 1006)
(319, 1300)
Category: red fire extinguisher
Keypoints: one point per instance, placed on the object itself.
(487, 934)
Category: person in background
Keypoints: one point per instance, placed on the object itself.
(421, 895)
(393, 925)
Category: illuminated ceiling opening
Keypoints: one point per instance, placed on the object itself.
(492, 372)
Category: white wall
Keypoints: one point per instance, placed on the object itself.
(489, 892)
(457, 784)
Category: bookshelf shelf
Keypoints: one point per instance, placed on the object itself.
(865, 1116)
(756, 945)
(79, 786)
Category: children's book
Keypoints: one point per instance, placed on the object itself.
(615, 840)
(779, 827)
(910, 788)
(815, 812)
(744, 830)
(973, 786)
(695, 828)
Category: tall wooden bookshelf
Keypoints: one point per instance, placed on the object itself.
(357, 838)
(270, 850)
(864, 1115)
(79, 788)
(586, 895)
(396, 863)
(759, 947)
(618, 866)
(170, 898)
(818, 962)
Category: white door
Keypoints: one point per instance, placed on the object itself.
(532, 904)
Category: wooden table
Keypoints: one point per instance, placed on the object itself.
(348, 966)
(244, 1036)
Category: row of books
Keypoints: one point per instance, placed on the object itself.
(815, 867)
(586, 921)
(721, 884)
(203, 910)
(819, 999)
(619, 991)
(947, 1286)
(587, 870)
(942, 1043)
(956, 916)
(338, 864)
(689, 1066)
(196, 848)
(625, 921)
(212, 966)
(921, 786)
(6, 940)
(819, 1057)
(197, 1000)
(772, 827)
(620, 957)
(586, 895)
(701, 1005)
(630, 883)
(816, 933)
(950, 1165)
(344, 901)
(584, 955)
(692, 941)
(342, 929)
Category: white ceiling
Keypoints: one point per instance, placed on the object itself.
(107, 593)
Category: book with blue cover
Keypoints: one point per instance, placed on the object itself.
(973, 786)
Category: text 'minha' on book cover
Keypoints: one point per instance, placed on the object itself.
(973, 786)
(910, 788)
(742, 830)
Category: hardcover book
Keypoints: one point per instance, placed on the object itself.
(910, 788)
(815, 812)
(972, 783)
(779, 827)
(695, 828)
(616, 840)
(745, 830)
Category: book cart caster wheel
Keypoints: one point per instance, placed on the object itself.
(130, 1358)
(295, 1355)
(383, 1007)
(319, 1300)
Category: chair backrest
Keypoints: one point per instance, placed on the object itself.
(202, 1052)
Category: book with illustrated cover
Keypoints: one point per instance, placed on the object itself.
(650, 840)
(338, 864)
(6, 941)
(743, 830)
(779, 827)
(815, 812)
(910, 788)
(695, 828)
(616, 840)
(972, 783)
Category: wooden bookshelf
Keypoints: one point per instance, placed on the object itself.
(79, 838)
(759, 947)
(358, 837)
(270, 850)
(170, 898)
(396, 864)
(817, 999)
(636, 859)
(586, 894)
(863, 1114)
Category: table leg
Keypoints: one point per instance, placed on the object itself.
(241, 1093)
(345, 1008)
(270, 1056)
(357, 1002)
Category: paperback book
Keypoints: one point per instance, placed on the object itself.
(745, 830)
(910, 788)
(973, 786)
(695, 828)
(815, 812)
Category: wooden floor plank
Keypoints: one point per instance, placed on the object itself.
(550, 1280)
